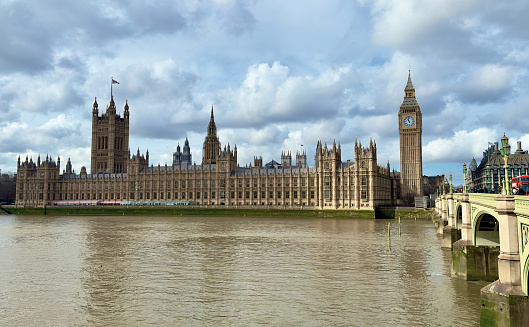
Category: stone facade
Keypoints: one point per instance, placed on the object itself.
(116, 177)
(489, 174)
(110, 140)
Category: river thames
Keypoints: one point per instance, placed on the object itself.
(218, 271)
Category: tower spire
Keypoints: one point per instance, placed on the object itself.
(212, 128)
(409, 85)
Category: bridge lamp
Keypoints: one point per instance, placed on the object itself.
(505, 152)
(464, 178)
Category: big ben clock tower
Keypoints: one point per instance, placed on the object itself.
(410, 131)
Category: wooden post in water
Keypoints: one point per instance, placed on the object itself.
(389, 237)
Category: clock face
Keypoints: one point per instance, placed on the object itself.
(409, 121)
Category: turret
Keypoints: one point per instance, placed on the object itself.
(126, 110)
(95, 110)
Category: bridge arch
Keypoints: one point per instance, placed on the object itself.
(458, 212)
(486, 229)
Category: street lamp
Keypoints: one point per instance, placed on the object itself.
(465, 178)
(505, 152)
(451, 189)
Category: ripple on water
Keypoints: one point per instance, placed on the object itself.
(103, 271)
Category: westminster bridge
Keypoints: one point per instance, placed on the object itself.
(487, 234)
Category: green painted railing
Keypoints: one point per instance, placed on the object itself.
(521, 205)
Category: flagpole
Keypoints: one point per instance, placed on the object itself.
(111, 79)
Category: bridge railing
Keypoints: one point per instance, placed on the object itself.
(486, 200)
(521, 205)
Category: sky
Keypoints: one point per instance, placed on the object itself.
(281, 75)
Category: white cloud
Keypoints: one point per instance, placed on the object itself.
(489, 78)
(403, 22)
(277, 78)
(462, 146)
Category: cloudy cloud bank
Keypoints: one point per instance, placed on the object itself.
(279, 74)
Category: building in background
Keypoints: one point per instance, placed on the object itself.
(489, 174)
(116, 177)
(183, 157)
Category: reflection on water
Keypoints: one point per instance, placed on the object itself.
(136, 271)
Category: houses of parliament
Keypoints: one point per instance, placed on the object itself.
(118, 177)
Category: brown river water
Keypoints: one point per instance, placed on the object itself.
(227, 271)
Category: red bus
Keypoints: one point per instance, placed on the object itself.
(522, 182)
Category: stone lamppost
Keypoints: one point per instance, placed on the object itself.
(465, 178)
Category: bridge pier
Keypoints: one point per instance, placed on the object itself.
(450, 232)
(503, 302)
(470, 262)
(443, 221)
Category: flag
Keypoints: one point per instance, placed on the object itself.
(490, 143)
(114, 81)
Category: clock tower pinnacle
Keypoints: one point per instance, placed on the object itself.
(410, 132)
